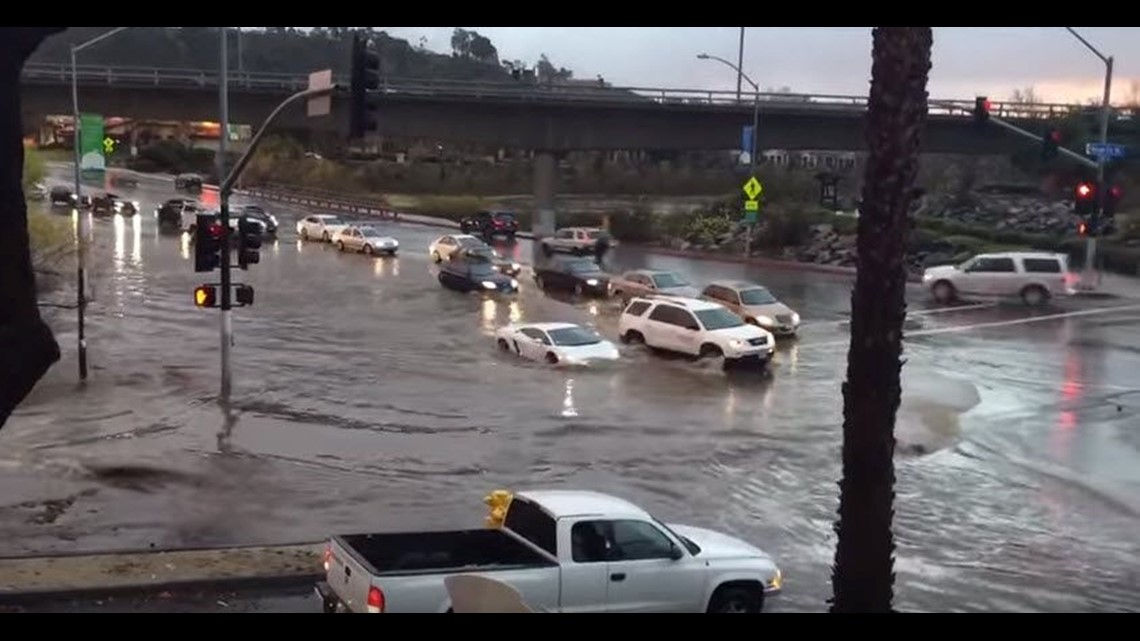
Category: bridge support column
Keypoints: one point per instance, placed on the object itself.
(545, 185)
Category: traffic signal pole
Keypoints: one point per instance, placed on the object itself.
(224, 218)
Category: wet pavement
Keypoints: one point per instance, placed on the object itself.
(369, 398)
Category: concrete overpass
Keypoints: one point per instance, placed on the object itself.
(526, 116)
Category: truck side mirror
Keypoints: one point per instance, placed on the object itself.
(676, 553)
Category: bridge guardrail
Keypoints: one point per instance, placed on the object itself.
(478, 89)
(323, 200)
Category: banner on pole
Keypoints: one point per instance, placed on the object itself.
(91, 147)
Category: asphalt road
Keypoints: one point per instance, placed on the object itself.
(371, 399)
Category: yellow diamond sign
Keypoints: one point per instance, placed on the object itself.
(753, 188)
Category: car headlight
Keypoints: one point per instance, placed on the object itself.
(593, 282)
(777, 581)
(737, 344)
(515, 267)
(489, 285)
(135, 204)
(926, 278)
(273, 219)
(764, 320)
(514, 283)
(795, 318)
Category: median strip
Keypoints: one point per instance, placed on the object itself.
(41, 578)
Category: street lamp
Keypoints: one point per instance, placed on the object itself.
(755, 125)
(1105, 109)
(82, 231)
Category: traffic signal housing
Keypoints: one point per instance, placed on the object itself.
(365, 80)
(209, 239)
(206, 297)
(981, 110)
(1084, 199)
(249, 242)
(1112, 200)
(1050, 144)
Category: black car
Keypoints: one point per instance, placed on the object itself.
(188, 182)
(62, 196)
(110, 204)
(579, 275)
(475, 276)
(491, 223)
(488, 254)
(256, 212)
(172, 214)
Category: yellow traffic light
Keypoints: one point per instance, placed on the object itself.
(206, 297)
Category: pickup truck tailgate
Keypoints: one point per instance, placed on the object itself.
(348, 579)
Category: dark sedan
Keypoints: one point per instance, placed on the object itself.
(256, 212)
(475, 276)
(489, 224)
(489, 255)
(110, 204)
(579, 275)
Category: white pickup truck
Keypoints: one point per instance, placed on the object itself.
(563, 551)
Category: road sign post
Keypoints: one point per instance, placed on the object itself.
(752, 191)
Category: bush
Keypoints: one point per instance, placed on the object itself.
(52, 242)
(34, 168)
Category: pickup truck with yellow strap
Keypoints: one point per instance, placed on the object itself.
(563, 551)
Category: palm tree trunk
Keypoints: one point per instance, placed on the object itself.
(863, 576)
(27, 346)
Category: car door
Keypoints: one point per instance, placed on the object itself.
(667, 328)
(533, 344)
(648, 572)
(988, 276)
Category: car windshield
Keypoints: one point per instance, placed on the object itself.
(693, 548)
(506, 218)
(581, 267)
(757, 296)
(668, 279)
(470, 242)
(574, 337)
(480, 270)
(368, 231)
(718, 318)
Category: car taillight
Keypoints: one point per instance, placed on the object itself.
(375, 600)
(328, 558)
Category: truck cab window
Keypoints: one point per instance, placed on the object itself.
(639, 541)
(533, 524)
(588, 543)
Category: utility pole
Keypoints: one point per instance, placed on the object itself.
(1101, 188)
(224, 219)
(740, 66)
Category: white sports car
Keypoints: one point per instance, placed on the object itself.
(556, 343)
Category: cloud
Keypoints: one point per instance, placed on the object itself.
(968, 61)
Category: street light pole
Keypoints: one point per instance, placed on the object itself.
(1105, 111)
(227, 330)
(740, 64)
(83, 231)
(755, 125)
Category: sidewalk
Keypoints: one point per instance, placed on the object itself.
(38, 578)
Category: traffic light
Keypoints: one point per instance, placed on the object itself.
(1050, 142)
(1112, 200)
(209, 239)
(981, 110)
(206, 296)
(243, 294)
(249, 243)
(1084, 199)
(1083, 228)
(365, 81)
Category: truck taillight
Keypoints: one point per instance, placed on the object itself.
(328, 559)
(375, 600)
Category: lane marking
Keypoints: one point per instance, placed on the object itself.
(992, 324)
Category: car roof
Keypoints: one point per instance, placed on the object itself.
(1047, 255)
(546, 327)
(566, 503)
(461, 236)
(691, 304)
(735, 284)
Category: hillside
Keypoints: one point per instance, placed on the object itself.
(274, 49)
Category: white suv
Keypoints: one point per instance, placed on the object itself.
(1035, 277)
(695, 328)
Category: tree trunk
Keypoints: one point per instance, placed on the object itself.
(27, 346)
(863, 576)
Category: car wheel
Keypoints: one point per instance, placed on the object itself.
(504, 345)
(737, 600)
(436, 258)
(1034, 296)
(538, 280)
(325, 237)
(368, 249)
(304, 234)
(340, 246)
(547, 251)
(944, 291)
(632, 337)
(578, 290)
(711, 351)
(551, 358)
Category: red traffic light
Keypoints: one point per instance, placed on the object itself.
(1116, 191)
(206, 297)
(1083, 228)
(216, 231)
(1085, 190)
(1055, 136)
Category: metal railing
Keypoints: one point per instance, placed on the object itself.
(509, 90)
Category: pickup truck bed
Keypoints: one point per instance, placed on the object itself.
(440, 552)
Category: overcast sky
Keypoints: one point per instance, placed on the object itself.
(968, 61)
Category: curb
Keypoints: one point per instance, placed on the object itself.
(235, 584)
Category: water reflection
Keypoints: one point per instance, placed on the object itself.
(568, 409)
(136, 238)
(490, 314)
(383, 269)
(120, 249)
(185, 246)
(516, 312)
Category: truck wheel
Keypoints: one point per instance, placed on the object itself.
(329, 606)
(736, 600)
(944, 292)
(1034, 296)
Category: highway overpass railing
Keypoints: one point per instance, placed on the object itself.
(578, 92)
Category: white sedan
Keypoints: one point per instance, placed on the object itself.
(446, 247)
(366, 239)
(556, 343)
(320, 227)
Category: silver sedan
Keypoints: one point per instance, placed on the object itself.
(366, 239)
